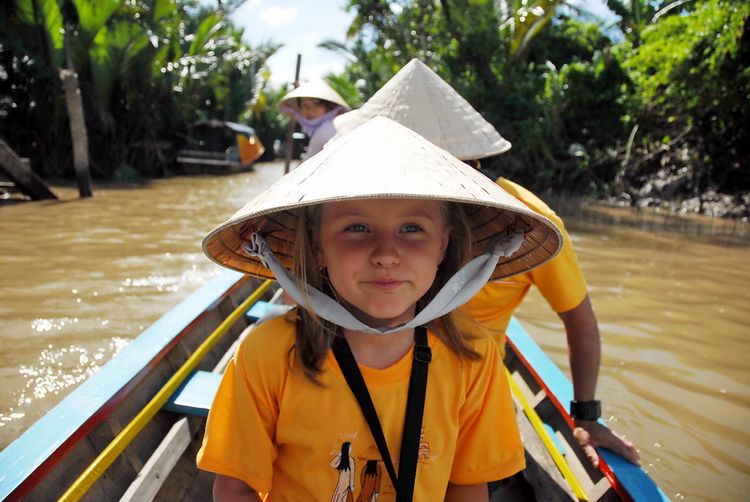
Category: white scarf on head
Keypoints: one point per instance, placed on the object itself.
(312, 125)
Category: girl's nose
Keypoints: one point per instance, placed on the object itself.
(386, 253)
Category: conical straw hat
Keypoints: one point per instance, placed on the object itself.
(347, 121)
(382, 159)
(317, 88)
(418, 98)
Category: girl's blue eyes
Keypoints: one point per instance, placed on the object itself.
(408, 228)
(411, 227)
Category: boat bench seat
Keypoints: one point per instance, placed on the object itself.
(195, 395)
(262, 311)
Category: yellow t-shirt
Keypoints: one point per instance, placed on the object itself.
(560, 280)
(281, 433)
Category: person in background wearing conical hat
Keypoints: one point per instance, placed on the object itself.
(378, 247)
(419, 99)
(314, 104)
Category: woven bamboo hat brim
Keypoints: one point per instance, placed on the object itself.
(317, 88)
(418, 98)
(378, 160)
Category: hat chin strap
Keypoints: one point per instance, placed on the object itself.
(457, 290)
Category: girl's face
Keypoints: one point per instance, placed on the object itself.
(382, 254)
(312, 108)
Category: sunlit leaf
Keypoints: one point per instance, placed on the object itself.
(163, 8)
(94, 14)
(45, 14)
(202, 36)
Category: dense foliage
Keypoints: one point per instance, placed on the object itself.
(651, 107)
(146, 70)
(692, 73)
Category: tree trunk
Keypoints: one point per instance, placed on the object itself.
(78, 133)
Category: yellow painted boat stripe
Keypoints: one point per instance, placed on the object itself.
(538, 426)
(101, 463)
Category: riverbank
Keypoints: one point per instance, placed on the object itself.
(658, 197)
(711, 203)
(663, 193)
(673, 178)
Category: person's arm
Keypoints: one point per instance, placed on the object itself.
(584, 351)
(227, 489)
(471, 493)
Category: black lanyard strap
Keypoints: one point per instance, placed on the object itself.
(404, 482)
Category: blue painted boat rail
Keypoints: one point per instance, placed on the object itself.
(22, 458)
(639, 486)
(60, 425)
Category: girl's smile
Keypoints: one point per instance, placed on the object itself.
(385, 285)
(382, 255)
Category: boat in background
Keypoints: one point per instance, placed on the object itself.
(132, 430)
(219, 147)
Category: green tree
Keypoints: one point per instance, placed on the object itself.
(636, 15)
(493, 53)
(269, 123)
(31, 55)
(522, 21)
(146, 68)
(692, 72)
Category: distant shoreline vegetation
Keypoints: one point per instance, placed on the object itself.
(648, 112)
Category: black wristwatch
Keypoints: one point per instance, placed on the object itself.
(586, 410)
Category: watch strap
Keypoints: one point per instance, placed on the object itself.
(586, 410)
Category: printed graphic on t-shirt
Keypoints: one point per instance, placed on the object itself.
(424, 453)
(345, 464)
(371, 482)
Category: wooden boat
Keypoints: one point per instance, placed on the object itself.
(219, 147)
(557, 468)
(132, 430)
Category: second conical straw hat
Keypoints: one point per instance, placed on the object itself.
(382, 159)
(419, 99)
(316, 88)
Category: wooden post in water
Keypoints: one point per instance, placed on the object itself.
(19, 171)
(78, 134)
(290, 130)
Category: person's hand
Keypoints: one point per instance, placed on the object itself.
(590, 434)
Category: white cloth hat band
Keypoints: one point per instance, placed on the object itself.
(457, 290)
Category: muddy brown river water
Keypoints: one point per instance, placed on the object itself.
(80, 278)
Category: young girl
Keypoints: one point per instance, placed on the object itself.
(314, 105)
(378, 238)
(418, 98)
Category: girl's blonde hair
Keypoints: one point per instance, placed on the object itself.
(314, 335)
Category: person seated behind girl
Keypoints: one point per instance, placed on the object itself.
(314, 105)
(377, 246)
(450, 122)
